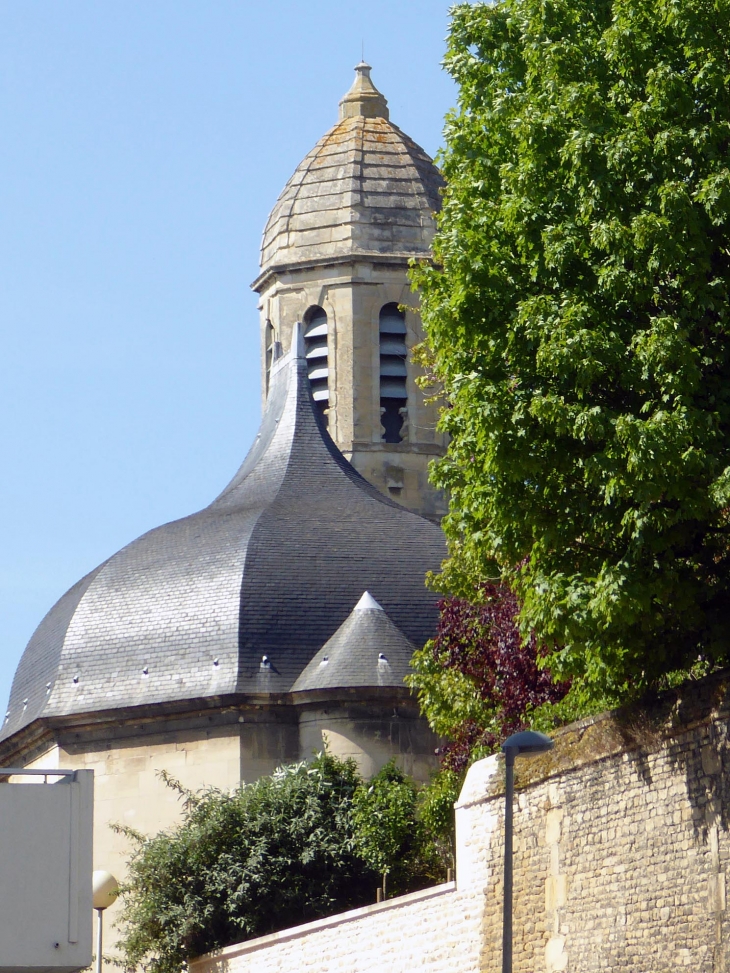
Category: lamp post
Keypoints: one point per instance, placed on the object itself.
(518, 745)
(104, 892)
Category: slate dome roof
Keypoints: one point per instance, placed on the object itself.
(239, 597)
(365, 188)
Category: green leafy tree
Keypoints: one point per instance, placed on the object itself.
(281, 851)
(389, 835)
(577, 318)
(436, 811)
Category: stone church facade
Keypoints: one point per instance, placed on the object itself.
(282, 617)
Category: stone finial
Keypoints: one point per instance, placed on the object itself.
(363, 98)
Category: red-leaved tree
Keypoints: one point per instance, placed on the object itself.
(477, 680)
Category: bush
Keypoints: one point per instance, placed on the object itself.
(289, 848)
(391, 837)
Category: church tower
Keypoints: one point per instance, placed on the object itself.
(282, 617)
(335, 255)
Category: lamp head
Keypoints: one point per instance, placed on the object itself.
(527, 742)
(104, 890)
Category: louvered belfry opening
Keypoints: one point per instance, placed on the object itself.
(315, 350)
(393, 353)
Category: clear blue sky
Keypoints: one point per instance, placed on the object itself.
(143, 144)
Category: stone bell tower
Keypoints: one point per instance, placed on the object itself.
(335, 255)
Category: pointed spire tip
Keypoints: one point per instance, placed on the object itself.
(367, 602)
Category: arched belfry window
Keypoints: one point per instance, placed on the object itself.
(393, 354)
(315, 350)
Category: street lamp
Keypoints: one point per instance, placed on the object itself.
(518, 745)
(104, 891)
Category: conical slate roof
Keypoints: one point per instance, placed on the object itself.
(366, 188)
(270, 569)
(366, 650)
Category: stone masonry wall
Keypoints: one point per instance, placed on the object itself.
(620, 865)
(621, 851)
(369, 938)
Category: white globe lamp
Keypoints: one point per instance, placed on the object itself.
(104, 890)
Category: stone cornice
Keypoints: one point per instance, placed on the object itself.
(355, 257)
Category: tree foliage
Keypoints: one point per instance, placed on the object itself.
(478, 680)
(281, 851)
(577, 317)
(389, 834)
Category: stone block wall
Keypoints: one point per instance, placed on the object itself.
(621, 852)
(620, 865)
(372, 938)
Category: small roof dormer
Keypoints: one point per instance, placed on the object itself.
(367, 650)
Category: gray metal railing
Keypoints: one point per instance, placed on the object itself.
(24, 772)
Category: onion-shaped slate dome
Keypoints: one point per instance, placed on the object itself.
(366, 188)
(234, 601)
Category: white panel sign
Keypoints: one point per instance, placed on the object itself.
(45, 871)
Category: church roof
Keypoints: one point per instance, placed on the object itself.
(365, 189)
(366, 650)
(238, 597)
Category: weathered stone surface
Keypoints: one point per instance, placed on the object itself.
(341, 163)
